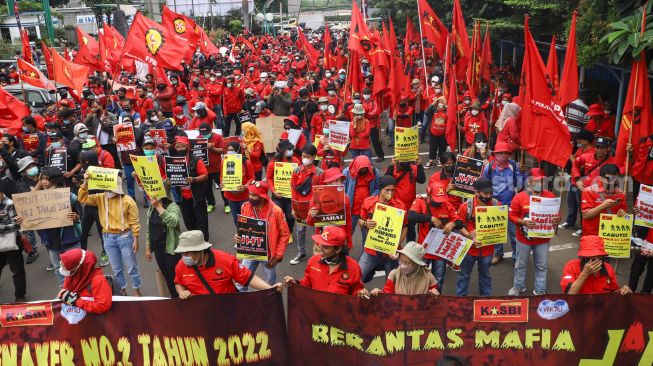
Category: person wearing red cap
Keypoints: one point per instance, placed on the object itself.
(84, 284)
(474, 122)
(602, 197)
(333, 176)
(403, 115)
(600, 123)
(587, 166)
(445, 175)
(292, 122)
(332, 270)
(519, 215)
(590, 273)
(463, 106)
(435, 117)
(180, 118)
(260, 207)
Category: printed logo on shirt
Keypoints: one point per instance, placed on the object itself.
(72, 314)
(345, 276)
(218, 270)
(26, 314)
(549, 310)
(501, 311)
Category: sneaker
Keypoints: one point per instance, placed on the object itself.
(428, 165)
(515, 292)
(31, 257)
(104, 259)
(538, 293)
(216, 186)
(227, 209)
(298, 259)
(210, 208)
(565, 225)
(50, 267)
(578, 233)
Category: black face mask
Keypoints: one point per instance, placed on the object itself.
(449, 169)
(334, 259)
(404, 166)
(182, 152)
(485, 200)
(363, 171)
(202, 113)
(254, 202)
(402, 105)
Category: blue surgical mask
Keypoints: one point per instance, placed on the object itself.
(83, 135)
(342, 76)
(66, 122)
(55, 144)
(230, 152)
(149, 152)
(189, 261)
(33, 171)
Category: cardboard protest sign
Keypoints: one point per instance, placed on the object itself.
(467, 171)
(176, 170)
(31, 142)
(232, 172)
(406, 143)
(271, 129)
(644, 204)
(43, 209)
(452, 247)
(282, 176)
(330, 203)
(301, 210)
(543, 210)
(149, 175)
(124, 135)
(492, 225)
(59, 158)
(615, 232)
(159, 137)
(384, 237)
(253, 235)
(338, 135)
(200, 149)
(102, 178)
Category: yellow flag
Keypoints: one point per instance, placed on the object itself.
(282, 176)
(232, 172)
(615, 232)
(492, 225)
(105, 179)
(149, 175)
(384, 237)
(406, 143)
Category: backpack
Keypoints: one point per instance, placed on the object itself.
(113, 285)
(513, 165)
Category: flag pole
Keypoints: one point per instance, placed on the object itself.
(421, 42)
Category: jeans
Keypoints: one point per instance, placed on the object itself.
(167, 264)
(391, 131)
(357, 152)
(439, 269)
(369, 263)
(219, 120)
(286, 205)
(423, 131)
(540, 257)
(498, 249)
(376, 142)
(484, 278)
(121, 256)
(14, 259)
(55, 259)
(90, 216)
(269, 274)
(235, 210)
(31, 237)
(195, 216)
(354, 225)
(301, 238)
(573, 205)
(129, 169)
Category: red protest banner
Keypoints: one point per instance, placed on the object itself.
(31, 142)
(124, 135)
(330, 203)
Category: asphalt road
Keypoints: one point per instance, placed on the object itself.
(42, 284)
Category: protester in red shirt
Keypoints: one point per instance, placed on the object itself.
(284, 155)
(333, 177)
(233, 99)
(407, 174)
(590, 273)
(203, 270)
(320, 120)
(201, 97)
(584, 141)
(165, 95)
(84, 284)
(448, 164)
(588, 165)
(474, 122)
(215, 151)
(292, 122)
(412, 277)
(332, 270)
(436, 116)
(404, 113)
(603, 197)
(203, 114)
(180, 119)
(238, 197)
(372, 113)
(601, 124)
(359, 133)
(143, 103)
(519, 214)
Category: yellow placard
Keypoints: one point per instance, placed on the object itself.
(232, 172)
(385, 236)
(282, 176)
(102, 178)
(615, 232)
(492, 225)
(316, 142)
(149, 175)
(406, 143)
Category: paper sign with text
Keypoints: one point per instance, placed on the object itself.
(232, 172)
(492, 225)
(452, 247)
(149, 175)
(385, 236)
(615, 232)
(282, 177)
(543, 211)
(103, 178)
(43, 209)
(253, 235)
(406, 143)
(644, 205)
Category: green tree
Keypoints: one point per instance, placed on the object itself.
(626, 40)
(235, 27)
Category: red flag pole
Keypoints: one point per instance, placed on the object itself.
(421, 41)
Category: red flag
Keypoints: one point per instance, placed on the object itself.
(32, 76)
(547, 137)
(69, 74)
(302, 43)
(66, 54)
(88, 47)
(152, 43)
(359, 34)
(412, 35)
(485, 71)
(87, 40)
(206, 46)
(329, 59)
(47, 56)
(473, 69)
(432, 28)
(569, 80)
(111, 45)
(394, 82)
(12, 110)
(27, 50)
(354, 76)
(182, 27)
(451, 133)
(552, 70)
(161, 77)
(460, 41)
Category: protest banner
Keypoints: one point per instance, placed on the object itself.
(30, 142)
(293, 136)
(199, 147)
(644, 205)
(176, 170)
(406, 143)
(301, 210)
(124, 135)
(159, 137)
(615, 232)
(466, 172)
(390, 330)
(102, 178)
(282, 177)
(270, 128)
(253, 235)
(339, 135)
(252, 331)
(385, 236)
(492, 225)
(43, 209)
(59, 158)
(232, 172)
(149, 175)
(543, 211)
(330, 203)
(452, 247)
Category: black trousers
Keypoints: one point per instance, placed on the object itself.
(167, 263)
(640, 263)
(437, 145)
(210, 196)
(14, 259)
(286, 205)
(376, 142)
(195, 216)
(90, 216)
(227, 124)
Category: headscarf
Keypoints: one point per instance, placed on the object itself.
(81, 277)
(252, 135)
(509, 110)
(358, 163)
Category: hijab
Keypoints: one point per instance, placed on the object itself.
(251, 135)
(508, 111)
(81, 277)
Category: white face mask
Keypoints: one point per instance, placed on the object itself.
(481, 145)
(440, 106)
(288, 153)
(212, 78)
(64, 272)
(504, 102)
(366, 96)
(474, 112)
(328, 74)
(228, 85)
(307, 161)
(230, 152)
(180, 116)
(433, 84)
(218, 73)
(467, 101)
(438, 90)
(324, 107)
(332, 92)
(356, 101)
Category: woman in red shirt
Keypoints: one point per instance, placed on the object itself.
(359, 133)
(255, 151)
(84, 285)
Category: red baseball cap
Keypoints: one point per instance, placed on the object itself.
(259, 188)
(537, 174)
(182, 140)
(177, 110)
(438, 192)
(332, 174)
(596, 109)
(591, 246)
(331, 236)
(502, 147)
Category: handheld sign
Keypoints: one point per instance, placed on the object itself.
(330, 203)
(384, 237)
(43, 209)
(491, 225)
(452, 247)
(124, 135)
(339, 135)
(159, 137)
(467, 171)
(105, 179)
(199, 149)
(59, 158)
(253, 235)
(232, 172)
(406, 143)
(282, 177)
(615, 232)
(31, 142)
(543, 210)
(176, 170)
(645, 206)
(149, 176)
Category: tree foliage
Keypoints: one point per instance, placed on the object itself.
(626, 40)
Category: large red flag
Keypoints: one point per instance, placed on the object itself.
(545, 134)
(33, 76)
(359, 35)
(68, 73)
(474, 67)
(111, 45)
(569, 81)
(485, 70)
(88, 48)
(412, 35)
(152, 43)
(552, 69)
(354, 76)
(12, 110)
(451, 133)
(432, 28)
(26, 50)
(206, 46)
(47, 56)
(394, 82)
(329, 59)
(182, 27)
(303, 44)
(460, 41)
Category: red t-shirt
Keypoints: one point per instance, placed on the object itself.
(186, 193)
(361, 192)
(368, 207)
(519, 208)
(593, 196)
(220, 272)
(594, 284)
(345, 280)
(470, 225)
